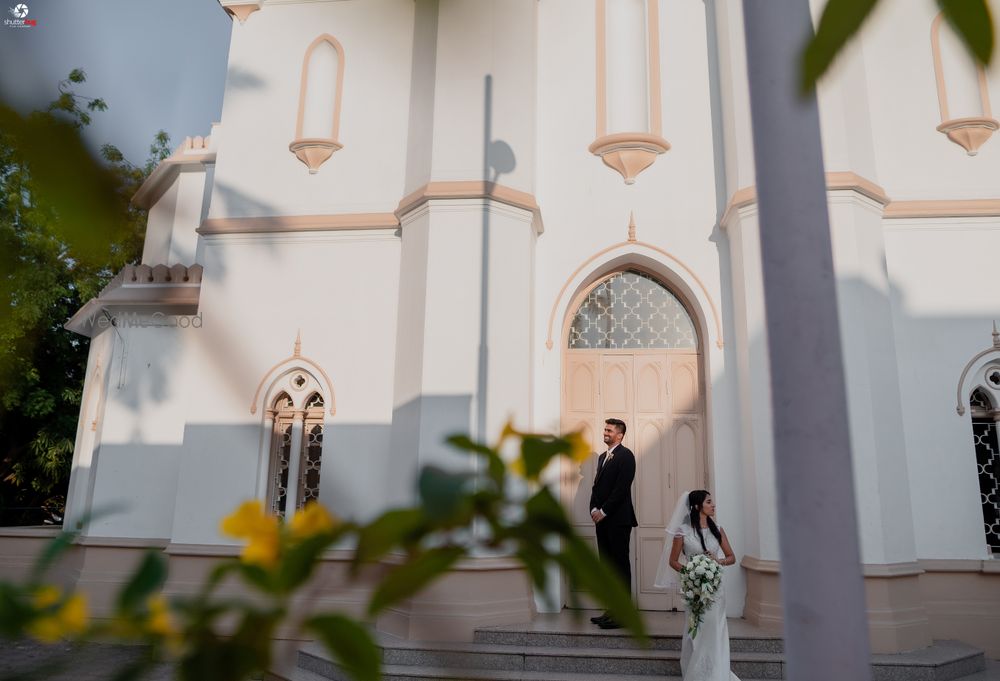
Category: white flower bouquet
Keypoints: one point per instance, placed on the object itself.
(700, 581)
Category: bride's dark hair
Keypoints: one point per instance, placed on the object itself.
(695, 500)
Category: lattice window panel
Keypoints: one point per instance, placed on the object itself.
(312, 451)
(279, 467)
(631, 310)
(984, 431)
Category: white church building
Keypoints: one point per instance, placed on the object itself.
(421, 217)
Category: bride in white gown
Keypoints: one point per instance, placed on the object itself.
(693, 530)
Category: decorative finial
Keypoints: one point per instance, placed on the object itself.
(631, 226)
(298, 344)
(996, 335)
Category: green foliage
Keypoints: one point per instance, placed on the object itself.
(350, 642)
(66, 227)
(211, 637)
(407, 579)
(147, 580)
(842, 19)
(972, 21)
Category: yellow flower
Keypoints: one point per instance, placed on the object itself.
(70, 619)
(247, 520)
(260, 529)
(47, 596)
(517, 467)
(581, 449)
(312, 520)
(160, 621)
(508, 431)
(46, 629)
(74, 614)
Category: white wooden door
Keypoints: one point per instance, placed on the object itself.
(657, 393)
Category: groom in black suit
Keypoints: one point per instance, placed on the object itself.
(611, 507)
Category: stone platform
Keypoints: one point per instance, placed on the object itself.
(567, 646)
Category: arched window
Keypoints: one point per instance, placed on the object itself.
(317, 126)
(293, 471)
(631, 310)
(984, 433)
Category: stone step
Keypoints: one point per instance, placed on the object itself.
(408, 673)
(575, 660)
(945, 661)
(411, 673)
(616, 639)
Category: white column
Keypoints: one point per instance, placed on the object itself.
(266, 448)
(821, 585)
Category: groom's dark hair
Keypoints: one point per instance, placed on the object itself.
(617, 423)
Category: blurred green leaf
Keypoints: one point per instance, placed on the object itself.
(146, 580)
(534, 562)
(53, 549)
(972, 21)
(218, 573)
(467, 444)
(350, 643)
(66, 227)
(15, 611)
(587, 572)
(301, 559)
(82, 192)
(64, 540)
(537, 452)
(257, 576)
(840, 20)
(442, 492)
(412, 576)
(543, 510)
(233, 658)
(397, 527)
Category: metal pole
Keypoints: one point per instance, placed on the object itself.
(826, 631)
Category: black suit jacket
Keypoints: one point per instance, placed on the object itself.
(612, 491)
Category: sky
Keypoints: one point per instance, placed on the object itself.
(159, 64)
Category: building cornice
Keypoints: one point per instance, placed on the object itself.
(141, 288)
(298, 223)
(192, 154)
(850, 181)
(470, 189)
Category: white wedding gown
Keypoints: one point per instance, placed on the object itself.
(706, 656)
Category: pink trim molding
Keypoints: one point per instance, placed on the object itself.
(241, 9)
(629, 152)
(313, 151)
(470, 189)
(298, 223)
(970, 132)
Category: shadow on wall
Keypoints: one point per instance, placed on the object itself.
(366, 468)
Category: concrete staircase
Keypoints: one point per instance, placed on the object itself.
(556, 648)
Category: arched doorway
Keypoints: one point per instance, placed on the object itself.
(632, 351)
